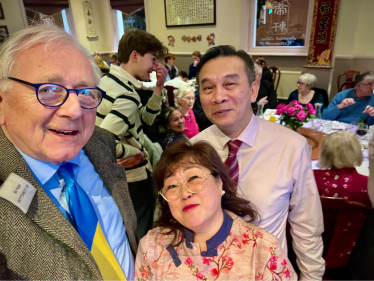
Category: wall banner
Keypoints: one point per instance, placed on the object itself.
(90, 24)
(322, 35)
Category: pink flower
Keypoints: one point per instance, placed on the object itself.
(152, 264)
(284, 262)
(245, 235)
(199, 275)
(144, 257)
(206, 261)
(188, 261)
(239, 245)
(298, 107)
(295, 102)
(273, 259)
(244, 241)
(287, 273)
(280, 109)
(300, 115)
(260, 235)
(144, 274)
(309, 105)
(230, 233)
(291, 111)
(311, 111)
(273, 266)
(214, 272)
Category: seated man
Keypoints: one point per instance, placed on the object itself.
(65, 209)
(349, 105)
(179, 81)
(266, 93)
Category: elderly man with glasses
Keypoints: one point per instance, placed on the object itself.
(65, 209)
(352, 104)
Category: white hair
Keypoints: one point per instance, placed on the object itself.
(258, 69)
(308, 79)
(30, 37)
(182, 91)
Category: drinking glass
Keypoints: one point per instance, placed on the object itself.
(316, 124)
(326, 126)
(362, 130)
(352, 127)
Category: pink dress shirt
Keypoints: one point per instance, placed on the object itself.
(191, 128)
(276, 176)
(239, 251)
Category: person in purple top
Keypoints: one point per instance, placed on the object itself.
(349, 105)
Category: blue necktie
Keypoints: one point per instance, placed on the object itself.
(88, 226)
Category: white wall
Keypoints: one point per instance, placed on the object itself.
(104, 25)
(15, 17)
(231, 19)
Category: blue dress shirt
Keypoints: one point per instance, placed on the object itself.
(106, 209)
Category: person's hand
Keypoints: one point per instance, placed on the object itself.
(346, 102)
(369, 110)
(264, 100)
(133, 160)
(161, 74)
(195, 63)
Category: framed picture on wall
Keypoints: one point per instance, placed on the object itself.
(3, 33)
(189, 12)
(2, 17)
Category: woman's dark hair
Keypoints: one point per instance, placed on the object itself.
(165, 120)
(181, 153)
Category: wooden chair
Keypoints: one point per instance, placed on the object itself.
(342, 220)
(171, 96)
(276, 76)
(349, 79)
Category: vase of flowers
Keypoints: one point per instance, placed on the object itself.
(295, 115)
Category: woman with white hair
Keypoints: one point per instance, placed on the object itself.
(305, 93)
(185, 100)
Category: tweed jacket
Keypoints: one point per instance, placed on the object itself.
(42, 244)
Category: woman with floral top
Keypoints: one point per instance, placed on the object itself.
(204, 231)
(340, 154)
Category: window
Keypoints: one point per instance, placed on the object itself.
(280, 27)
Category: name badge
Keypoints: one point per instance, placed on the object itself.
(18, 191)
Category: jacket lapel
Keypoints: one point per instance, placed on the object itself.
(42, 210)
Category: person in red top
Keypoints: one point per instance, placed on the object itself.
(340, 154)
(186, 99)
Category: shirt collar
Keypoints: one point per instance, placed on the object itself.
(216, 240)
(114, 69)
(247, 136)
(43, 171)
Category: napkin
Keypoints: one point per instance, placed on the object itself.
(336, 125)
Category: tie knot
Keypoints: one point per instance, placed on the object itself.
(234, 146)
(66, 172)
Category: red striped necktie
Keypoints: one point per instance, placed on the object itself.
(231, 161)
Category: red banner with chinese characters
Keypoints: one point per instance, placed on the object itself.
(322, 35)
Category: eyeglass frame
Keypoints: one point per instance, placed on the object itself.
(189, 98)
(185, 186)
(38, 85)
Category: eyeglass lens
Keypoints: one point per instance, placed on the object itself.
(53, 95)
(172, 191)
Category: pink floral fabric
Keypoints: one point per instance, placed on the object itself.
(248, 253)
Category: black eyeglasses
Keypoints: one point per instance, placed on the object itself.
(55, 95)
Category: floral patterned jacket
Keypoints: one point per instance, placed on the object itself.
(238, 251)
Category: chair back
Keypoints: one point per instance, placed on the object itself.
(171, 97)
(349, 79)
(276, 76)
(323, 92)
(343, 221)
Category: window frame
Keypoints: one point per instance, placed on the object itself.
(274, 50)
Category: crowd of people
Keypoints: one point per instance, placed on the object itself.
(80, 178)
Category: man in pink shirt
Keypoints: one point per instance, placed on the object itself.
(272, 165)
